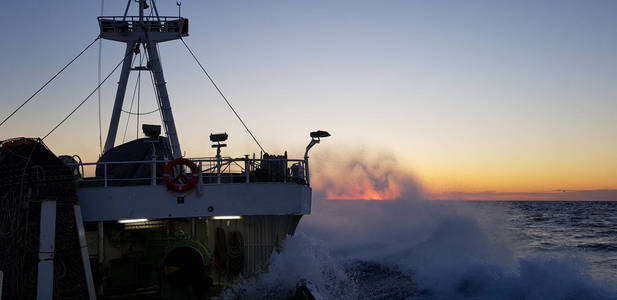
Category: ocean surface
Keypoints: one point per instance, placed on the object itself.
(586, 228)
(417, 249)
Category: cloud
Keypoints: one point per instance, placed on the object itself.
(555, 195)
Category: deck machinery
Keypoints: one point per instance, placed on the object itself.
(160, 226)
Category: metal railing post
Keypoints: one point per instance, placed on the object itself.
(218, 169)
(105, 173)
(153, 171)
(201, 177)
(247, 168)
(285, 170)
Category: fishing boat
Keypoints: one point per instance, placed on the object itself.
(143, 222)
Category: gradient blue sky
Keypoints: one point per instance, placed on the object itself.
(468, 95)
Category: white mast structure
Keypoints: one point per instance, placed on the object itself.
(143, 32)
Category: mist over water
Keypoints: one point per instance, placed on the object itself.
(411, 248)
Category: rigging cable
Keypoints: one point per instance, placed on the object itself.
(158, 102)
(99, 82)
(88, 97)
(50, 80)
(141, 62)
(222, 95)
(141, 114)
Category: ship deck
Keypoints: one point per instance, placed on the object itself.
(225, 186)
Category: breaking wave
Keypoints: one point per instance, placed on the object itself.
(410, 248)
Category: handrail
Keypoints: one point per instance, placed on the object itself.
(193, 160)
(162, 24)
(250, 170)
(136, 18)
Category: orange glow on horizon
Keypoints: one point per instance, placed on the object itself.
(365, 192)
(359, 176)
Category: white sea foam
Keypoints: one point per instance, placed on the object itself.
(416, 249)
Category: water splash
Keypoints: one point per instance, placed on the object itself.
(358, 175)
(303, 259)
(410, 248)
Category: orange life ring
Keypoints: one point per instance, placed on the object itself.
(181, 182)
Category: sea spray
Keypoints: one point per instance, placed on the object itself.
(410, 248)
(303, 260)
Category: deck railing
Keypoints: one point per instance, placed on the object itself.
(149, 23)
(211, 170)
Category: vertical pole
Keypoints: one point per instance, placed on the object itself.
(85, 258)
(247, 168)
(285, 168)
(153, 171)
(200, 177)
(141, 9)
(105, 174)
(161, 87)
(306, 169)
(313, 142)
(47, 237)
(218, 165)
(101, 252)
(218, 171)
(115, 114)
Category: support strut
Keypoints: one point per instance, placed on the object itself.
(117, 110)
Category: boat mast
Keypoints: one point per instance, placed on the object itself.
(140, 32)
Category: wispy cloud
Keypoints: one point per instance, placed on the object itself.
(555, 195)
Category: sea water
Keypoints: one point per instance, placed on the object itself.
(410, 248)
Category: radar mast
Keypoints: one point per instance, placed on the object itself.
(143, 32)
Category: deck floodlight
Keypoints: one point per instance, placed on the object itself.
(227, 217)
(320, 134)
(315, 139)
(218, 137)
(128, 221)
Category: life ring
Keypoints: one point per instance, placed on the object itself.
(181, 182)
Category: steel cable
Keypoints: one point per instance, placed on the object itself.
(48, 81)
(222, 95)
(88, 97)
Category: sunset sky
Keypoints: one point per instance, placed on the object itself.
(474, 99)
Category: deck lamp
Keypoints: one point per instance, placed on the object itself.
(128, 221)
(227, 217)
(315, 139)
